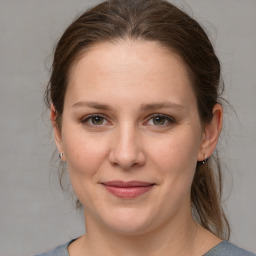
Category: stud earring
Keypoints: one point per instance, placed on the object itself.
(60, 155)
(205, 159)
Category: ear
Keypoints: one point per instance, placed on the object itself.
(211, 134)
(57, 132)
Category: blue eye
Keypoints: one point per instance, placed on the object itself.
(160, 120)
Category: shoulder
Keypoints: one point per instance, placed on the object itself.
(61, 250)
(226, 248)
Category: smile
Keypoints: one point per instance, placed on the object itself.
(127, 190)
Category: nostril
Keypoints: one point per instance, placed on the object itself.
(126, 150)
(126, 161)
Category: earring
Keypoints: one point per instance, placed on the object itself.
(205, 159)
(60, 155)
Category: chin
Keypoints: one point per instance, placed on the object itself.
(128, 221)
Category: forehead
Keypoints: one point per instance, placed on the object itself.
(129, 67)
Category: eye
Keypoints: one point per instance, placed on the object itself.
(95, 120)
(160, 120)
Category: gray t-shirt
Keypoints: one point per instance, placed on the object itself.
(224, 248)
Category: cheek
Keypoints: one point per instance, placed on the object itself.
(175, 159)
(176, 150)
(84, 153)
(85, 156)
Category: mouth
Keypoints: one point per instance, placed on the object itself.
(127, 190)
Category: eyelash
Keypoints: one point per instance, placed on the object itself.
(168, 119)
(88, 118)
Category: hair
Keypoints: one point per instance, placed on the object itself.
(162, 22)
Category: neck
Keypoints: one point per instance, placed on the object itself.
(175, 237)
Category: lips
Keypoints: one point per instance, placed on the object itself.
(127, 190)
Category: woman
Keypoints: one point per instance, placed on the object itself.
(135, 107)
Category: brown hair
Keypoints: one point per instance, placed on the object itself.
(160, 21)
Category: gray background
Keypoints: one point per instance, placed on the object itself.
(34, 213)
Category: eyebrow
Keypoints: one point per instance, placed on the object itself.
(154, 106)
(144, 107)
(90, 104)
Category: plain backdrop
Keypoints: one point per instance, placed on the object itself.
(35, 216)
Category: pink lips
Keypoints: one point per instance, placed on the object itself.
(128, 190)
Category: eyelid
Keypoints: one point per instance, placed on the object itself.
(85, 119)
(170, 119)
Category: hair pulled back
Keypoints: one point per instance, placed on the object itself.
(162, 22)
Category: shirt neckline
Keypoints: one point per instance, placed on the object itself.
(211, 250)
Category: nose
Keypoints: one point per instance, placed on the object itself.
(127, 149)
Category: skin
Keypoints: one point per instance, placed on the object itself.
(121, 82)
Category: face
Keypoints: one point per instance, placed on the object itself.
(131, 136)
